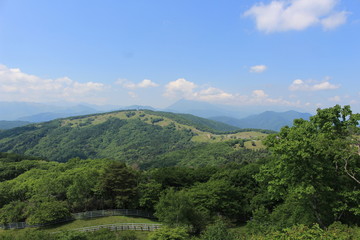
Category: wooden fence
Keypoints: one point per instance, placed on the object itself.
(121, 227)
(83, 215)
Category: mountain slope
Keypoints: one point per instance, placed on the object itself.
(131, 136)
(198, 122)
(266, 120)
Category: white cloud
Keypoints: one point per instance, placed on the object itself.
(258, 68)
(146, 83)
(212, 94)
(300, 85)
(180, 87)
(285, 15)
(18, 86)
(259, 94)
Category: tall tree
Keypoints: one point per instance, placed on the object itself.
(118, 186)
(315, 169)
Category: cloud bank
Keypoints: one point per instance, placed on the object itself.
(16, 85)
(182, 88)
(19, 86)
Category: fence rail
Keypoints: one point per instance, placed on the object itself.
(82, 215)
(121, 227)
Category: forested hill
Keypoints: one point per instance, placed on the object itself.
(130, 136)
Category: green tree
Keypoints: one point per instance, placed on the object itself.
(217, 231)
(314, 164)
(118, 186)
(45, 210)
(149, 194)
(217, 197)
(12, 212)
(177, 209)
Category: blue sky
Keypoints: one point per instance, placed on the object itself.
(294, 54)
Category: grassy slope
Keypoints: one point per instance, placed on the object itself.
(169, 118)
(96, 221)
(132, 136)
(91, 222)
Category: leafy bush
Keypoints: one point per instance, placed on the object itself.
(166, 233)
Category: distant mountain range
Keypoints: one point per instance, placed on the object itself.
(39, 112)
(11, 124)
(272, 120)
(266, 120)
(208, 110)
(201, 109)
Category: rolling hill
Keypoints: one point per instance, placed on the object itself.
(133, 136)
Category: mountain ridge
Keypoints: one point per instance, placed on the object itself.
(266, 120)
(133, 136)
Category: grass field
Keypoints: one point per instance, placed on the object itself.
(96, 221)
(89, 222)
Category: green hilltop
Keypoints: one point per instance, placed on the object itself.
(132, 136)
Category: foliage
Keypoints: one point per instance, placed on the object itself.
(12, 212)
(28, 234)
(150, 194)
(334, 232)
(44, 194)
(45, 211)
(217, 197)
(118, 186)
(208, 154)
(315, 163)
(12, 165)
(167, 233)
(130, 140)
(217, 231)
(247, 189)
(34, 234)
(175, 208)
